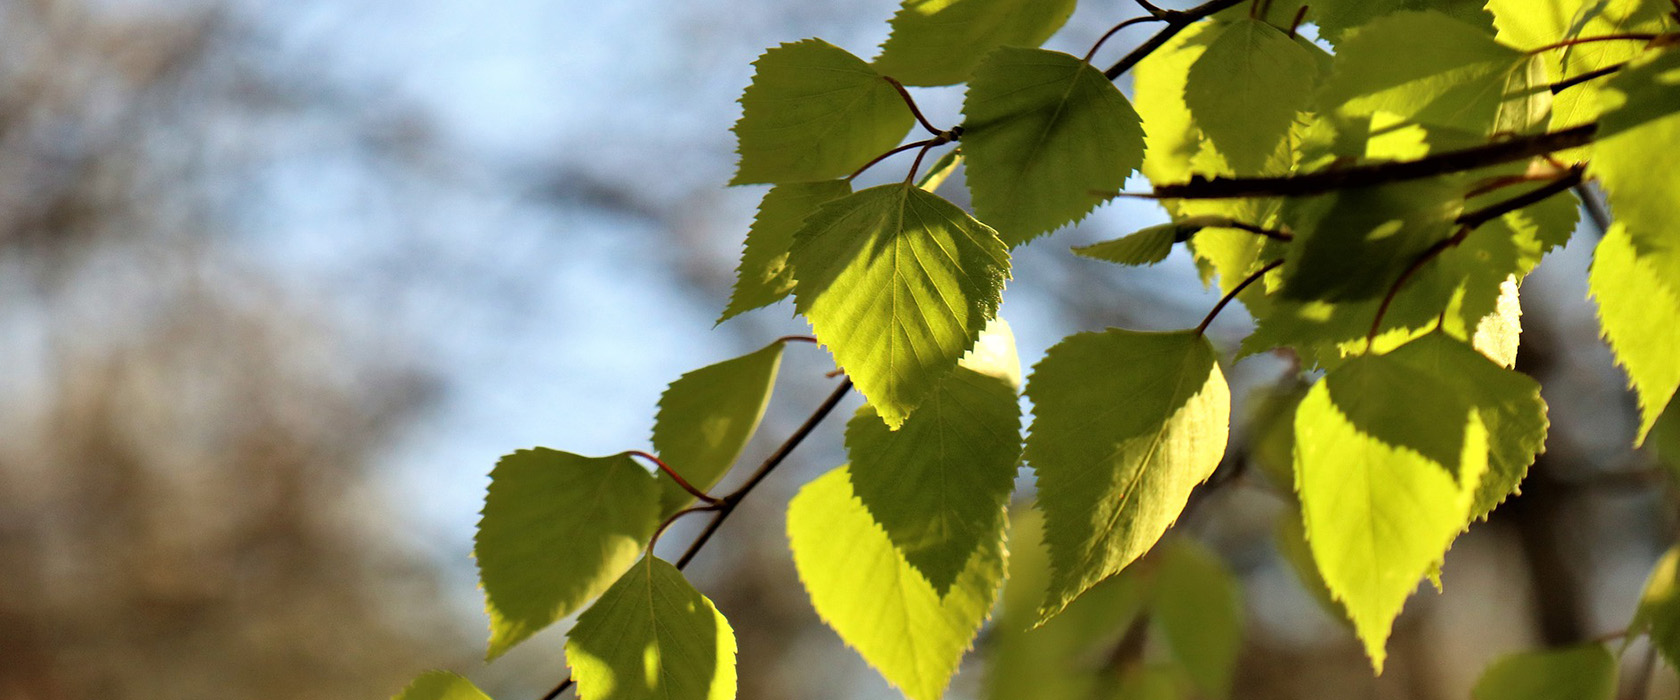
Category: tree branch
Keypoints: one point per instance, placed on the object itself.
(1322, 181)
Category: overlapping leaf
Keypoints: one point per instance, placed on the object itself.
(1145, 247)
(1639, 313)
(863, 588)
(939, 42)
(706, 417)
(1639, 130)
(939, 483)
(764, 276)
(898, 284)
(1353, 244)
(814, 112)
(1585, 672)
(652, 637)
(558, 528)
(1531, 24)
(1197, 602)
(1246, 88)
(1452, 74)
(441, 685)
(1043, 131)
(1659, 607)
(1392, 454)
(1125, 425)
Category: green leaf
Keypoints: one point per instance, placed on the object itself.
(897, 282)
(1125, 425)
(705, 419)
(1659, 607)
(1246, 89)
(1158, 86)
(814, 112)
(1145, 247)
(1585, 672)
(652, 636)
(441, 685)
(1639, 313)
(1198, 604)
(1354, 244)
(1526, 106)
(939, 483)
(1642, 127)
(558, 528)
(1380, 515)
(1027, 663)
(1452, 74)
(1044, 133)
(863, 588)
(939, 42)
(764, 276)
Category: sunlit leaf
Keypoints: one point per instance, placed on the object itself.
(1045, 134)
(939, 42)
(1452, 75)
(939, 483)
(1125, 425)
(863, 588)
(652, 636)
(1246, 89)
(441, 685)
(1145, 247)
(558, 528)
(1659, 607)
(898, 284)
(1354, 244)
(764, 276)
(705, 419)
(1639, 314)
(1640, 127)
(814, 112)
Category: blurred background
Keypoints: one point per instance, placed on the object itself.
(280, 281)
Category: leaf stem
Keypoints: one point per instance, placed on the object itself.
(1565, 84)
(1116, 29)
(1320, 181)
(1176, 21)
(797, 339)
(911, 103)
(1225, 300)
(697, 493)
(884, 156)
(1295, 24)
(653, 541)
(1632, 36)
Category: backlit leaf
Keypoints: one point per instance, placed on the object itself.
(863, 588)
(706, 417)
(1246, 89)
(558, 528)
(1640, 128)
(1380, 511)
(897, 282)
(764, 276)
(1125, 425)
(1198, 604)
(652, 636)
(441, 685)
(1145, 247)
(1354, 244)
(1452, 73)
(1585, 672)
(1639, 313)
(814, 112)
(939, 483)
(1044, 131)
(1659, 607)
(939, 42)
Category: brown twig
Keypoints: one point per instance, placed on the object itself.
(1225, 300)
(692, 491)
(1176, 21)
(911, 103)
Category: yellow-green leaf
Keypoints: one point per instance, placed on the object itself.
(1639, 313)
(652, 637)
(764, 276)
(939, 42)
(705, 419)
(1585, 672)
(441, 685)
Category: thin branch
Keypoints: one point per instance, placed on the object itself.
(1295, 24)
(884, 156)
(1274, 234)
(911, 103)
(734, 498)
(917, 163)
(797, 339)
(1223, 301)
(1633, 36)
(1321, 181)
(552, 694)
(697, 493)
(654, 541)
(1176, 21)
(1565, 84)
(1467, 222)
(1596, 211)
(1150, 8)
(1116, 30)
